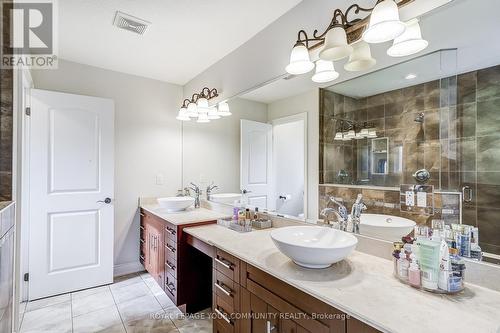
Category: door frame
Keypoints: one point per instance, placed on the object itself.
(290, 119)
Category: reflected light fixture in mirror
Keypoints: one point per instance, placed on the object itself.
(325, 72)
(202, 105)
(191, 110)
(361, 58)
(410, 42)
(212, 113)
(384, 23)
(336, 47)
(300, 62)
(223, 109)
(203, 118)
(183, 115)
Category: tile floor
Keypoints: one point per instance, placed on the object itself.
(132, 304)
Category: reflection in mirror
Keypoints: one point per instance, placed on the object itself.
(257, 156)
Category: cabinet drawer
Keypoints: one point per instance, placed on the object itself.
(171, 266)
(170, 232)
(223, 313)
(170, 249)
(171, 286)
(227, 265)
(227, 290)
(221, 326)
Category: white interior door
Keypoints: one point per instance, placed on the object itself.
(256, 163)
(71, 175)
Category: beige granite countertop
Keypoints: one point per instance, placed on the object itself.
(363, 287)
(190, 215)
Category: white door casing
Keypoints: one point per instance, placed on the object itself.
(71, 171)
(256, 163)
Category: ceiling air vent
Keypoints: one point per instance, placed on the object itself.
(130, 23)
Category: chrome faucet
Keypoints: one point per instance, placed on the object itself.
(210, 188)
(197, 191)
(357, 208)
(340, 213)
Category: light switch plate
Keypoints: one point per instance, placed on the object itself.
(421, 199)
(159, 179)
(410, 198)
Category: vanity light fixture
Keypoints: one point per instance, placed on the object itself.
(410, 42)
(348, 35)
(325, 72)
(348, 130)
(198, 107)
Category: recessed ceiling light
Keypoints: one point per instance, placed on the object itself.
(411, 76)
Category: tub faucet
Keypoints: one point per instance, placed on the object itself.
(340, 213)
(210, 188)
(197, 192)
(357, 208)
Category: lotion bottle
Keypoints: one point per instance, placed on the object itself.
(414, 272)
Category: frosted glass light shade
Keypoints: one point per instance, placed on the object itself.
(182, 115)
(213, 114)
(361, 58)
(372, 134)
(224, 109)
(338, 136)
(410, 42)
(202, 105)
(336, 46)
(384, 23)
(192, 110)
(203, 118)
(300, 62)
(325, 72)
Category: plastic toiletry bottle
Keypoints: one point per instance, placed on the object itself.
(256, 214)
(475, 250)
(403, 265)
(465, 241)
(428, 251)
(444, 266)
(414, 272)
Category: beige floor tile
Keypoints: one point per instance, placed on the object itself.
(93, 302)
(103, 320)
(41, 303)
(54, 319)
(129, 292)
(87, 292)
(139, 308)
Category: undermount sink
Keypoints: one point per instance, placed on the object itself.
(314, 246)
(386, 227)
(175, 204)
(226, 198)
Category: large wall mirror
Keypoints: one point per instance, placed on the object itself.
(291, 144)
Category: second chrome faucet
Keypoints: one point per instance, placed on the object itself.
(342, 215)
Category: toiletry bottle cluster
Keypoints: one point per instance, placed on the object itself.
(248, 218)
(430, 260)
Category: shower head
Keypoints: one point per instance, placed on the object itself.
(420, 118)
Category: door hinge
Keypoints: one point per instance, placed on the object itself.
(26, 277)
(28, 111)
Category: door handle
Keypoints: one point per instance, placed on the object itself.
(106, 201)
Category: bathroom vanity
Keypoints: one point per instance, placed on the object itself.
(174, 265)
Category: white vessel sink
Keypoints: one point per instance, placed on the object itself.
(314, 246)
(386, 227)
(226, 198)
(175, 204)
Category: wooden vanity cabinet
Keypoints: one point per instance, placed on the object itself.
(178, 268)
(248, 300)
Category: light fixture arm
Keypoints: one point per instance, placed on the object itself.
(341, 19)
(204, 93)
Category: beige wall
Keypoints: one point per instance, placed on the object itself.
(211, 152)
(147, 140)
(306, 102)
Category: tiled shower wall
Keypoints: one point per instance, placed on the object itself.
(458, 142)
(6, 128)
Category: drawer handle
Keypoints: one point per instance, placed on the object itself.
(170, 231)
(223, 316)
(170, 248)
(171, 289)
(141, 257)
(141, 240)
(142, 214)
(222, 288)
(224, 263)
(269, 327)
(169, 265)
(141, 227)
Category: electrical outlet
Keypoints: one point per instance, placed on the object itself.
(421, 199)
(410, 198)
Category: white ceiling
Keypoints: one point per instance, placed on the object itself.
(185, 37)
(451, 26)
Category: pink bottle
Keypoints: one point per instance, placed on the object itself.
(414, 272)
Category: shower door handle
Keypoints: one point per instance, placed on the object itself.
(467, 194)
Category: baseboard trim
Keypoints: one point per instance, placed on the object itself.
(127, 268)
